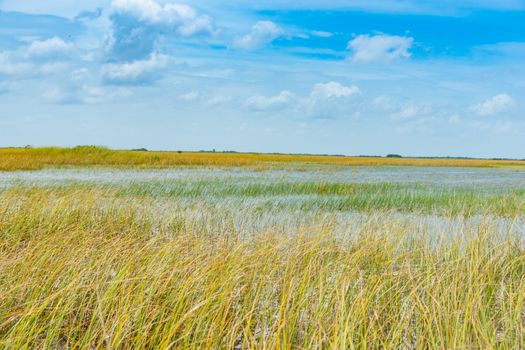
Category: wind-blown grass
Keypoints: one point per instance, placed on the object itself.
(38, 158)
(158, 266)
(420, 198)
(283, 198)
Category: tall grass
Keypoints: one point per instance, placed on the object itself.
(38, 158)
(104, 267)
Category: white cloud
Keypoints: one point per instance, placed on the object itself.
(39, 58)
(262, 33)
(379, 48)
(8, 66)
(136, 72)
(138, 25)
(152, 11)
(48, 49)
(333, 90)
(200, 25)
(331, 100)
(326, 100)
(494, 105)
(147, 10)
(15, 65)
(321, 34)
(262, 103)
(186, 19)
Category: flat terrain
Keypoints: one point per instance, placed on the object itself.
(270, 254)
(38, 158)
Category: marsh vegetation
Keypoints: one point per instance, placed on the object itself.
(319, 257)
(39, 158)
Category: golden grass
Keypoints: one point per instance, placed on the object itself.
(85, 269)
(37, 158)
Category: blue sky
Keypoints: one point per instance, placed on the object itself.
(347, 77)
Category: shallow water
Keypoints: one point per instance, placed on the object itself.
(508, 178)
(289, 213)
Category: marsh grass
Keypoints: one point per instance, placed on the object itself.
(359, 197)
(158, 266)
(38, 158)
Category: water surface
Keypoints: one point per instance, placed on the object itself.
(479, 177)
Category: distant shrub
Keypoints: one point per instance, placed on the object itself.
(393, 156)
(88, 149)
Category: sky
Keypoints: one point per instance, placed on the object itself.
(412, 77)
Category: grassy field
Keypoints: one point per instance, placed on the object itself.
(38, 158)
(250, 259)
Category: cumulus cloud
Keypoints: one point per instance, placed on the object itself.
(331, 100)
(49, 49)
(16, 65)
(379, 48)
(262, 103)
(333, 90)
(261, 34)
(325, 100)
(182, 18)
(138, 72)
(152, 11)
(8, 66)
(494, 105)
(40, 57)
(138, 24)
